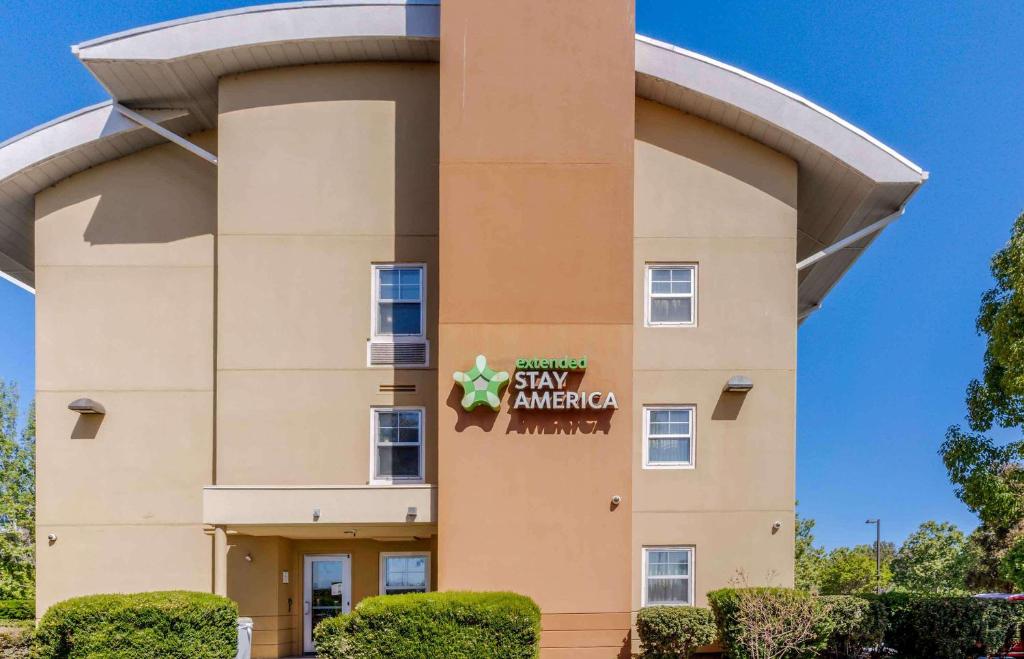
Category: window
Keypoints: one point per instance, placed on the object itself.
(672, 295)
(397, 445)
(398, 300)
(668, 437)
(668, 576)
(404, 572)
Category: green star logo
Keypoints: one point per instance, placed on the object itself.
(482, 385)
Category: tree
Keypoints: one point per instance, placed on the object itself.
(999, 396)
(17, 498)
(852, 570)
(989, 477)
(933, 559)
(808, 559)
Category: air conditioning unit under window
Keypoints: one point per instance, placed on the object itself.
(406, 354)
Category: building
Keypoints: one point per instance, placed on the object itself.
(245, 360)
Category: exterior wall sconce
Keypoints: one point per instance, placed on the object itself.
(739, 384)
(316, 514)
(248, 558)
(410, 514)
(86, 406)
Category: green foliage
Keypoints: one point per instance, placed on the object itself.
(770, 623)
(987, 547)
(170, 625)
(986, 477)
(809, 560)
(21, 609)
(457, 625)
(16, 639)
(853, 570)
(856, 622)
(1011, 565)
(999, 396)
(948, 627)
(17, 498)
(933, 559)
(667, 632)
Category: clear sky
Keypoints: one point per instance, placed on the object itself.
(883, 366)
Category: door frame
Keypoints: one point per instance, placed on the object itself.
(307, 592)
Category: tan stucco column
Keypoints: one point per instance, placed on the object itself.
(220, 561)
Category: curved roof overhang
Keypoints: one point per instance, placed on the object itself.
(847, 180)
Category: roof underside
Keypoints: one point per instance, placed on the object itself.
(847, 179)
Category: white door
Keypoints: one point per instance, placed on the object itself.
(326, 591)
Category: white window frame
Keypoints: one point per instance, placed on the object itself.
(692, 409)
(376, 269)
(649, 295)
(691, 574)
(384, 555)
(401, 480)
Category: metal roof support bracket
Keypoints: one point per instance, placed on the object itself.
(849, 240)
(166, 134)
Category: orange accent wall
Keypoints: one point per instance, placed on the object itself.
(536, 259)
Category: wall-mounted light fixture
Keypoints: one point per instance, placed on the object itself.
(86, 406)
(316, 514)
(739, 384)
(410, 514)
(248, 558)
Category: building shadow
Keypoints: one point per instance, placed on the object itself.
(728, 406)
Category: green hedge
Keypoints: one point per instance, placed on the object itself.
(456, 625)
(17, 609)
(170, 625)
(857, 623)
(953, 627)
(780, 608)
(668, 632)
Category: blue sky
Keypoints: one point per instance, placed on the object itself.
(883, 366)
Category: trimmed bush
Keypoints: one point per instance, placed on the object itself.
(170, 625)
(857, 623)
(667, 632)
(456, 625)
(949, 627)
(770, 622)
(15, 639)
(17, 609)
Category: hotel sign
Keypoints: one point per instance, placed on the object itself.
(540, 384)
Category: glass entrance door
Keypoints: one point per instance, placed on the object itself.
(327, 591)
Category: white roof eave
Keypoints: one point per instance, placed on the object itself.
(266, 24)
(816, 131)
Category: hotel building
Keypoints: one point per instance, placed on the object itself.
(344, 298)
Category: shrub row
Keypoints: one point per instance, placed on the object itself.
(757, 622)
(954, 627)
(170, 625)
(17, 609)
(454, 625)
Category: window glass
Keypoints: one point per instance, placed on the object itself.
(405, 574)
(398, 443)
(670, 436)
(671, 295)
(400, 301)
(668, 576)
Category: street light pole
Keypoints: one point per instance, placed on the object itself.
(878, 553)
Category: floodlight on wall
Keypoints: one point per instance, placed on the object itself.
(86, 406)
(739, 384)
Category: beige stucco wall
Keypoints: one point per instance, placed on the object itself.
(708, 196)
(323, 171)
(124, 266)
